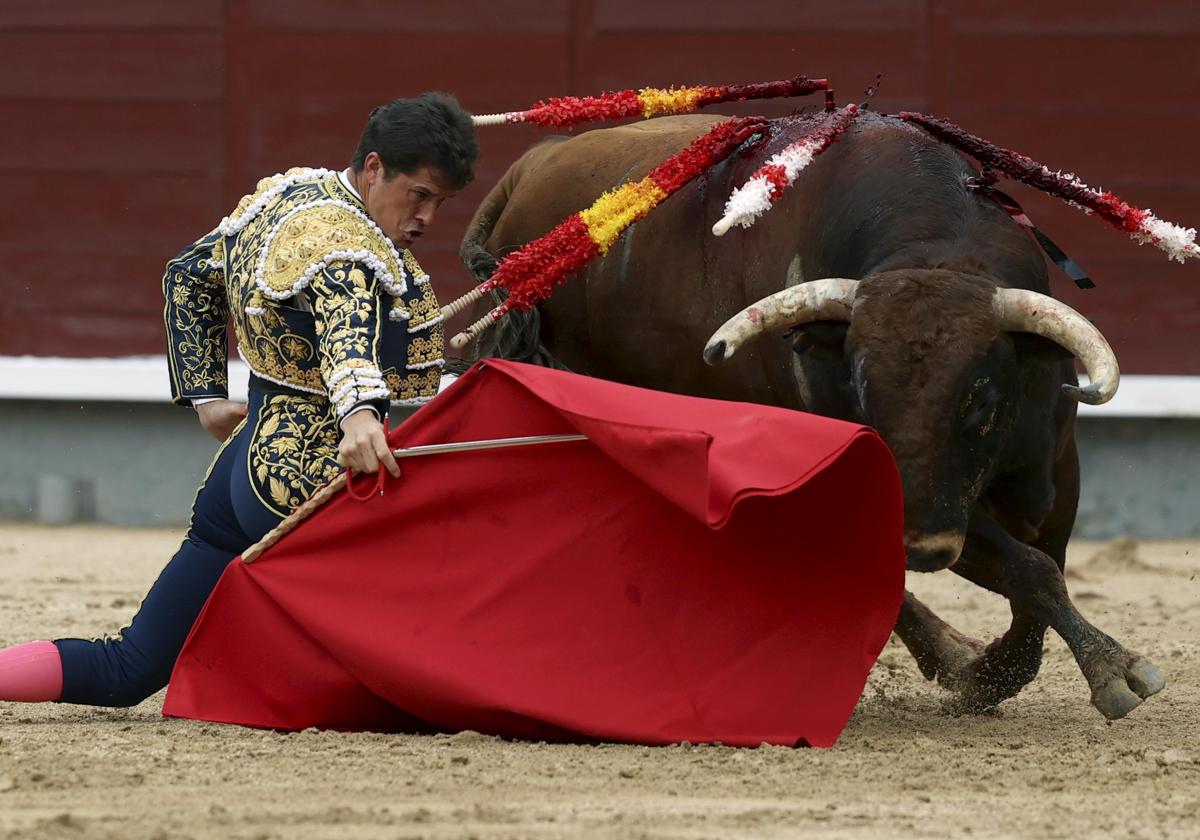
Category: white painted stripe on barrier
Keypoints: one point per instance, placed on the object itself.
(1147, 395)
(144, 379)
(120, 379)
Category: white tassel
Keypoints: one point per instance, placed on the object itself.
(1179, 243)
(745, 204)
(753, 198)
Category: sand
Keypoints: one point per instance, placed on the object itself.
(1045, 764)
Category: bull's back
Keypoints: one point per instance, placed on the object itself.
(553, 180)
(642, 312)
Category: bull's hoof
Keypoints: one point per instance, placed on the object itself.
(1146, 679)
(1122, 694)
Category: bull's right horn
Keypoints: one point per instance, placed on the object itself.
(830, 299)
(1021, 310)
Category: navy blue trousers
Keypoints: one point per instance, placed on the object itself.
(227, 518)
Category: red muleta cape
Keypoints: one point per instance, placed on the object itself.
(696, 570)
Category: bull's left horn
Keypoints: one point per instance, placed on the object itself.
(1020, 310)
(830, 299)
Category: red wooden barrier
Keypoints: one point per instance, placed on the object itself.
(131, 126)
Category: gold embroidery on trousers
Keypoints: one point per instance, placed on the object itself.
(293, 450)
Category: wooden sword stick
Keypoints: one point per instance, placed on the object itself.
(327, 492)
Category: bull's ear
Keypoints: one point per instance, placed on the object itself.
(1034, 348)
(820, 339)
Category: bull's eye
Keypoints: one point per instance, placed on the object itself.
(986, 425)
(978, 414)
(821, 339)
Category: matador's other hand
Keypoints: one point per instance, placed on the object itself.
(220, 417)
(364, 445)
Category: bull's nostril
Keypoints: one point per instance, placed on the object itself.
(714, 353)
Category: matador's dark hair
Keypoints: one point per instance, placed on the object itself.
(430, 130)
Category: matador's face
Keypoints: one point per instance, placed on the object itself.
(404, 205)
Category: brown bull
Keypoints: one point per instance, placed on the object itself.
(880, 290)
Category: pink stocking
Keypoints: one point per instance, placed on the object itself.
(31, 673)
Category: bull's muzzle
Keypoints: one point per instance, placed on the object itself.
(932, 552)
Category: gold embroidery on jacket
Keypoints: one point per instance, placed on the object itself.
(196, 313)
(278, 355)
(348, 306)
(420, 300)
(410, 262)
(313, 235)
(424, 350)
(413, 388)
(293, 450)
(424, 309)
(264, 338)
(347, 311)
(261, 187)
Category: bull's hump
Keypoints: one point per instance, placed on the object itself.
(682, 124)
(672, 122)
(611, 156)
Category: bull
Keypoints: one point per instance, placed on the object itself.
(880, 290)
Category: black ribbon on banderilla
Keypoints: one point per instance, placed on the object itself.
(984, 184)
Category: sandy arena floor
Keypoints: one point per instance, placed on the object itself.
(1045, 765)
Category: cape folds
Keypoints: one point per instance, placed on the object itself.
(696, 569)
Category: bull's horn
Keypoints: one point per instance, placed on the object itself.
(1020, 310)
(829, 299)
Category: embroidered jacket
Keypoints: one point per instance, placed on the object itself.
(321, 302)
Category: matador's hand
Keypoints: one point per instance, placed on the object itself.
(364, 445)
(220, 417)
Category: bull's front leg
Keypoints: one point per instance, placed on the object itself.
(1034, 585)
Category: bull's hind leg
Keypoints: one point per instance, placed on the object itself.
(999, 670)
(1033, 583)
(979, 675)
(940, 650)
